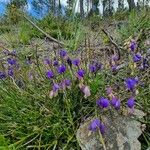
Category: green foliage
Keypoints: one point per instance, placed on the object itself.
(13, 14)
(120, 15)
(135, 23)
(4, 29)
(17, 3)
(3, 143)
(53, 26)
(24, 32)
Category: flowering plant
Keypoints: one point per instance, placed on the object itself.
(62, 86)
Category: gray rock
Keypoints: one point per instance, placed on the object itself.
(122, 132)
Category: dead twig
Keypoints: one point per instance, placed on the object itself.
(43, 32)
(112, 41)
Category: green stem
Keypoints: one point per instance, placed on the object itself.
(102, 140)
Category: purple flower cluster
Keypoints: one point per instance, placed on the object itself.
(10, 65)
(140, 61)
(59, 86)
(131, 84)
(61, 79)
(105, 103)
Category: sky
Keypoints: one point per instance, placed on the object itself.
(63, 2)
(28, 7)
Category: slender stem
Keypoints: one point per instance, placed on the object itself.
(101, 137)
(102, 140)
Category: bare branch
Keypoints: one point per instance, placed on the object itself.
(111, 40)
(43, 32)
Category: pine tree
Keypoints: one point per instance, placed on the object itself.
(59, 8)
(81, 9)
(18, 3)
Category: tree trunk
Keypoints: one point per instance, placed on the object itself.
(104, 6)
(120, 5)
(81, 9)
(59, 8)
(54, 8)
(143, 3)
(131, 4)
(88, 5)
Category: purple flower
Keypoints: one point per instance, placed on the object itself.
(96, 124)
(10, 72)
(131, 102)
(137, 57)
(13, 53)
(30, 76)
(69, 61)
(61, 69)
(50, 74)
(2, 75)
(103, 102)
(133, 45)
(6, 52)
(85, 89)
(115, 57)
(76, 62)
(114, 68)
(131, 83)
(81, 73)
(116, 103)
(11, 61)
(67, 82)
(62, 85)
(98, 66)
(63, 53)
(47, 61)
(109, 90)
(102, 128)
(92, 68)
(55, 87)
(55, 62)
(145, 63)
